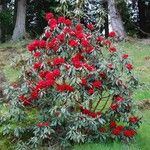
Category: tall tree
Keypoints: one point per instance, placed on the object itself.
(19, 30)
(0, 21)
(115, 20)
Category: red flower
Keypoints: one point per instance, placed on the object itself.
(69, 31)
(85, 111)
(97, 84)
(42, 74)
(90, 26)
(44, 124)
(64, 88)
(133, 119)
(92, 114)
(34, 94)
(112, 49)
(79, 34)
(79, 27)
(117, 130)
(58, 61)
(114, 106)
(76, 60)
(99, 114)
(25, 100)
(42, 44)
(77, 57)
(112, 124)
(103, 75)
(102, 130)
(89, 67)
(77, 64)
(119, 98)
(129, 133)
(100, 38)
(56, 73)
(84, 81)
(48, 34)
(50, 75)
(90, 91)
(125, 56)
(33, 45)
(49, 83)
(37, 54)
(73, 43)
(44, 84)
(107, 43)
(49, 16)
(53, 24)
(68, 22)
(37, 65)
(129, 66)
(112, 34)
(89, 49)
(110, 66)
(61, 37)
(61, 19)
(85, 43)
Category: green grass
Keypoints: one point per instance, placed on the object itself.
(139, 53)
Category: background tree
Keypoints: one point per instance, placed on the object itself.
(116, 20)
(19, 30)
(0, 22)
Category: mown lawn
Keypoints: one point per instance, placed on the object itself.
(139, 53)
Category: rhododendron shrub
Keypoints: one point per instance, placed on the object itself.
(80, 85)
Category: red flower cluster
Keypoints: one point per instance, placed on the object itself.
(36, 44)
(58, 61)
(103, 130)
(90, 113)
(125, 56)
(44, 124)
(26, 101)
(114, 106)
(89, 67)
(90, 91)
(112, 34)
(129, 133)
(90, 26)
(77, 60)
(37, 65)
(37, 54)
(97, 84)
(112, 49)
(119, 98)
(49, 16)
(73, 43)
(100, 39)
(129, 67)
(112, 124)
(117, 130)
(42, 84)
(48, 34)
(133, 119)
(84, 81)
(64, 88)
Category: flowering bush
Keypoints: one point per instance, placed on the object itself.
(80, 85)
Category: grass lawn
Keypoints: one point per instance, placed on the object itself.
(139, 53)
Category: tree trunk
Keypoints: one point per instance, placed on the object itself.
(19, 30)
(115, 20)
(0, 23)
(141, 7)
